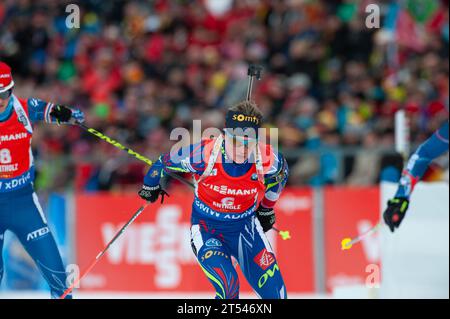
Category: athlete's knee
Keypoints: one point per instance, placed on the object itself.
(229, 285)
(232, 287)
(271, 284)
(225, 281)
(219, 269)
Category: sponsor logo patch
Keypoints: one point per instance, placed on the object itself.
(211, 253)
(213, 242)
(264, 259)
(38, 233)
(267, 275)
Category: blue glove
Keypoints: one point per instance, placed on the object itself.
(64, 114)
(78, 115)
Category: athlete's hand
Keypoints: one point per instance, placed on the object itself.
(151, 193)
(395, 212)
(266, 217)
(64, 114)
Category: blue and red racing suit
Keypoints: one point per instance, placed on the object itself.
(418, 163)
(224, 224)
(20, 211)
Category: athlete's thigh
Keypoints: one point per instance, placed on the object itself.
(258, 262)
(28, 221)
(215, 260)
(30, 227)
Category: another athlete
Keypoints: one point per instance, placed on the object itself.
(418, 163)
(20, 211)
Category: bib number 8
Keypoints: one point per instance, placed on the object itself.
(5, 156)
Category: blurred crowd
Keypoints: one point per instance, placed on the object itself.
(138, 69)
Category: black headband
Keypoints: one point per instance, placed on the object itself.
(240, 120)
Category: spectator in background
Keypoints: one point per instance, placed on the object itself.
(366, 167)
(140, 68)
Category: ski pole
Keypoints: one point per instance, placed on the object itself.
(253, 71)
(128, 150)
(118, 234)
(348, 242)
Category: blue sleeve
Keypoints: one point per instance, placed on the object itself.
(418, 163)
(279, 172)
(39, 110)
(188, 159)
(275, 180)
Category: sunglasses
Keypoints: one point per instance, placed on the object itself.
(5, 95)
(241, 139)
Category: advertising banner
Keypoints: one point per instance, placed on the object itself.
(154, 254)
(349, 212)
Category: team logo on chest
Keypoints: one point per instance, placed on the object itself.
(225, 190)
(13, 137)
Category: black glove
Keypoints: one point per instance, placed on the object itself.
(151, 193)
(63, 114)
(266, 217)
(395, 212)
